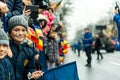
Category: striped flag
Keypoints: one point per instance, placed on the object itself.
(39, 33)
(32, 35)
(39, 45)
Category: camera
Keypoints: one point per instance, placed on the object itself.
(32, 7)
(34, 10)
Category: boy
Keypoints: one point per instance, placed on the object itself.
(6, 68)
(23, 54)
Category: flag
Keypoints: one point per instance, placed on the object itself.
(32, 35)
(58, 5)
(39, 45)
(65, 46)
(39, 33)
(64, 72)
(38, 30)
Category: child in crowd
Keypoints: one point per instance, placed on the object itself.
(23, 54)
(6, 68)
(52, 49)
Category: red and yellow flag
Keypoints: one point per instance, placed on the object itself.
(39, 34)
(34, 35)
(39, 45)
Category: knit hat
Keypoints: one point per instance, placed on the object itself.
(18, 20)
(42, 17)
(3, 38)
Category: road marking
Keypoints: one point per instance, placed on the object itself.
(115, 63)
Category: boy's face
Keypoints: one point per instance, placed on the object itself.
(18, 34)
(3, 50)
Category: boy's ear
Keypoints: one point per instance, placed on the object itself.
(9, 52)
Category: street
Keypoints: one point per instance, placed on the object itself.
(106, 69)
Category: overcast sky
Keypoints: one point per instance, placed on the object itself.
(87, 11)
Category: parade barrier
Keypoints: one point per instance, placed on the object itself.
(65, 72)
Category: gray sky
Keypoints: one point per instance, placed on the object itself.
(85, 12)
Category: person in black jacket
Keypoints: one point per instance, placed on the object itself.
(6, 68)
(15, 8)
(98, 45)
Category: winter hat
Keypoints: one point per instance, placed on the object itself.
(18, 20)
(3, 38)
(42, 17)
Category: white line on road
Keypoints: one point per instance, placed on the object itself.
(115, 63)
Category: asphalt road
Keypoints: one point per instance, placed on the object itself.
(106, 69)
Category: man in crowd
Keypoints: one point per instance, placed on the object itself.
(87, 42)
(116, 18)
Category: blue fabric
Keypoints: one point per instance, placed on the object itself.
(42, 60)
(15, 8)
(6, 69)
(116, 18)
(64, 72)
(87, 40)
(78, 45)
(75, 46)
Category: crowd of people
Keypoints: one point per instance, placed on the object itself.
(31, 41)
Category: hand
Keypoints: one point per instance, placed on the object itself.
(27, 12)
(9, 52)
(36, 56)
(3, 7)
(37, 74)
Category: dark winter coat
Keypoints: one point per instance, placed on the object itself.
(78, 46)
(23, 60)
(15, 7)
(6, 69)
(98, 43)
